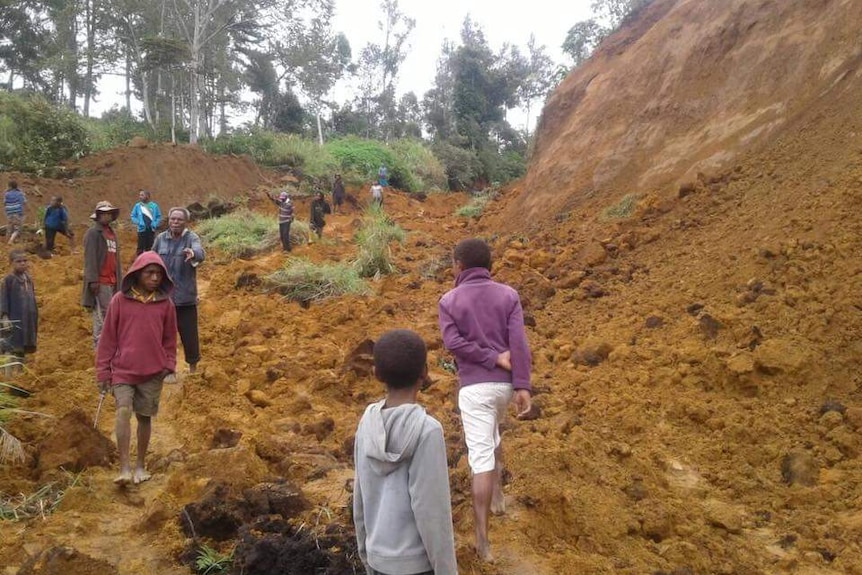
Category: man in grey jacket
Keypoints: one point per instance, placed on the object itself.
(182, 252)
(401, 506)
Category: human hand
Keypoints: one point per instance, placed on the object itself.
(94, 288)
(189, 254)
(504, 360)
(5, 324)
(103, 386)
(523, 403)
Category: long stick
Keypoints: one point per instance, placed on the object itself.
(99, 409)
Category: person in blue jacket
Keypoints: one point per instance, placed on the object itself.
(56, 221)
(147, 217)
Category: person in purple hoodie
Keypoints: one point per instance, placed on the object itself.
(482, 324)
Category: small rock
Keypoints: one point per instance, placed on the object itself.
(593, 254)
(709, 326)
(832, 405)
(854, 417)
(720, 514)
(636, 490)
(799, 468)
(258, 398)
(653, 322)
(693, 309)
(686, 189)
(225, 438)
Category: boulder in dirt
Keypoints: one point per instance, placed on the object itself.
(139, 142)
(279, 498)
(64, 561)
(592, 353)
(360, 361)
(216, 515)
(225, 438)
(593, 254)
(74, 445)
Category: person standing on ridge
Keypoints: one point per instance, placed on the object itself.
(56, 221)
(317, 215)
(285, 217)
(482, 324)
(376, 194)
(18, 312)
(147, 217)
(102, 273)
(13, 202)
(181, 252)
(338, 193)
(382, 176)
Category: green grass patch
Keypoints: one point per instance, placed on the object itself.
(38, 504)
(622, 209)
(210, 561)
(245, 233)
(373, 239)
(477, 204)
(303, 281)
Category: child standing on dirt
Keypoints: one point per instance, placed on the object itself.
(18, 312)
(56, 221)
(376, 195)
(401, 506)
(136, 350)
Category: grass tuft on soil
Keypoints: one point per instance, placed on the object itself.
(303, 281)
(373, 239)
(244, 233)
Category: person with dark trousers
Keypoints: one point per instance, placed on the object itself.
(102, 273)
(317, 215)
(56, 221)
(338, 193)
(19, 315)
(285, 218)
(146, 217)
(182, 252)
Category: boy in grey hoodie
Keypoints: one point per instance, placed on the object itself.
(401, 506)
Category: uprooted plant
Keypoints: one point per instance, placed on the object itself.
(373, 239)
(303, 281)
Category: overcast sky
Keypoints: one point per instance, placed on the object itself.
(436, 20)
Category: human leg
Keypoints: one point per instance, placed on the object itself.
(123, 395)
(50, 234)
(146, 406)
(482, 407)
(284, 235)
(103, 299)
(187, 325)
(144, 432)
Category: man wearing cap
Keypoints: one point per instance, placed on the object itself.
(285, 217)
(102, 273)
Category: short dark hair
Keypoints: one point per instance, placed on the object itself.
(399, 358)
(17, 254)
(13, 184)
(473, 253)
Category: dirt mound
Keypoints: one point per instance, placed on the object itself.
(176, 176)
(74, 445)
(65, 560)
(686, 87)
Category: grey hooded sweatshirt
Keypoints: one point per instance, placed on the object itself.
(401, 505)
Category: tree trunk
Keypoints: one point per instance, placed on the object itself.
(90, 14)
(319, 129)
(128, 84)
(173, 111)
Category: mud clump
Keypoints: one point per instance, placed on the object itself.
(74, 445)
(66, 560)
(219, 515)
(273, 546)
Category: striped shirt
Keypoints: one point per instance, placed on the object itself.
(285, 211)
(14, 201)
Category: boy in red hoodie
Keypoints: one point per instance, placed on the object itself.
(136, 350)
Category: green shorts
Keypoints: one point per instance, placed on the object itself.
(143, 398)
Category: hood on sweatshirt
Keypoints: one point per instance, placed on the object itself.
(392, 434)
(166, 287)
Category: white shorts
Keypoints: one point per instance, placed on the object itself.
(483, 406)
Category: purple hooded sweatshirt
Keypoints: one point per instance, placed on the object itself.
(479, 320)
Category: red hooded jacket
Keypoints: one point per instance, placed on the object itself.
(138, 340)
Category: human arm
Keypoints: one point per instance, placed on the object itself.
(135, 215)
(428, 485)
(518, 347)
(460, 347)
(169, 336)
(91, 263)
(359, 514)
(194, 251)
(106, 349)
(157, 215)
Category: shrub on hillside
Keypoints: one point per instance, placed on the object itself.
(372, 239)
(359, 160)
(427, 170)
(462, 166)
(35, 134)
(302, 281)
(244, 233)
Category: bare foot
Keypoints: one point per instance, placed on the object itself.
(124, 478)
(483, 550)
(141, 475)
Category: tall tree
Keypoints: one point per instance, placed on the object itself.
(538, 77)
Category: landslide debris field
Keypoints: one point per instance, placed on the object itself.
(696, 343)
